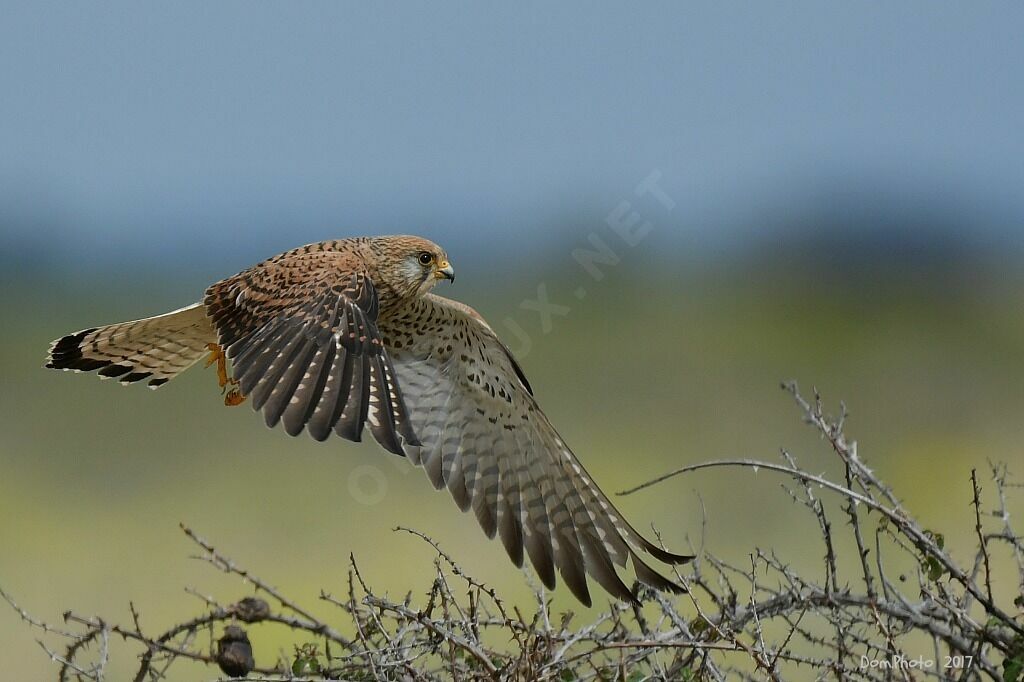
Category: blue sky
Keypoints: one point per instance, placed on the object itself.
(142, 129)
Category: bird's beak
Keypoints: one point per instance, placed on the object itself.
(445, 271)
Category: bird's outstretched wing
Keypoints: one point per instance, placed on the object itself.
(485, 439)
(304, 346)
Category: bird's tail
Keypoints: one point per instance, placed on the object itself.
(156, 348)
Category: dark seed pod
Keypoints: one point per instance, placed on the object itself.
(234, 652)
(251, 610)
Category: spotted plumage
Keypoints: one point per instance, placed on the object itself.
(341, 335)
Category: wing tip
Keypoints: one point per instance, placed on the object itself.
(648, 576)
(667, 557)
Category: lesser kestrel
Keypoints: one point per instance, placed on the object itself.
(333, 336)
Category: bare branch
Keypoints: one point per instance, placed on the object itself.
(769, 620)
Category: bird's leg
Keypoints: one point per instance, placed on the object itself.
(231, 397)
(217, 355)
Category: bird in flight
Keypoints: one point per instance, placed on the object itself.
(340, 335)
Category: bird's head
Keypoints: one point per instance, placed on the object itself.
(411, 266)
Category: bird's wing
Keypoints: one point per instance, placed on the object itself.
(485, 438)
(302, 337)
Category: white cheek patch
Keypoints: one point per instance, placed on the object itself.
(412, 271)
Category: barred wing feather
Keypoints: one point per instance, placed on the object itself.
(306, 350)
(484, 437)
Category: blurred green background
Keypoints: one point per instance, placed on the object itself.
(847, 213)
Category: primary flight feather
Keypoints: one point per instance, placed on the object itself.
(340, 335)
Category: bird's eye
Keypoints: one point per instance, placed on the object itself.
(426, 258)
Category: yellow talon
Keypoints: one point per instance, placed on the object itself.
(234, 397)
